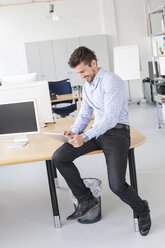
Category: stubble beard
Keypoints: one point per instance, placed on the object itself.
(92, 76)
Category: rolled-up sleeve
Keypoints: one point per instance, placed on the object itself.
(83, 118)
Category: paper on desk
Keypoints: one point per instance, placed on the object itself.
(58, 136)
(162, 65)
(155, 48)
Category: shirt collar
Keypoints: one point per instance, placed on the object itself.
(96, 78)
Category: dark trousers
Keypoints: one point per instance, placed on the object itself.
(115, 145)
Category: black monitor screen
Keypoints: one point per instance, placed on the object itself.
(19, 117)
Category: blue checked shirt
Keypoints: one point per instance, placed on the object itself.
(105, 96)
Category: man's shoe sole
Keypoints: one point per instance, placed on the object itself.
(85, 213)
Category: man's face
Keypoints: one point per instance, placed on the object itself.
(87, 72)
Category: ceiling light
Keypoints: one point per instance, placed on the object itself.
(52, 16)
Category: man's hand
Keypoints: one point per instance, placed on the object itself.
(76, 141)
(69, 134)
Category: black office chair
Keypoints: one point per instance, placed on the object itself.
(60, 88)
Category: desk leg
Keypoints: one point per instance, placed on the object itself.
(133, 180)
(158, 113)
(55, 176)
(56, 215)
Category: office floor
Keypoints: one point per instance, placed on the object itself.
(25, 209)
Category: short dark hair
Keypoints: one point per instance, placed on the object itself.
(82, 54)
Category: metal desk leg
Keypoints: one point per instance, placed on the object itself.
(56, 215)
(55, 175)
(133, 180)
(158, 113)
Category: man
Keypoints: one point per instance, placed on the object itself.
(104, 95)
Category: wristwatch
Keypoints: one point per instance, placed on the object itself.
(85, 137)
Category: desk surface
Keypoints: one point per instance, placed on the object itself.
(41, 147)
(66, 97)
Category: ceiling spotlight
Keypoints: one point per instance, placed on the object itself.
(52, 16)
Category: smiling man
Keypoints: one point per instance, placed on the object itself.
(104, 95)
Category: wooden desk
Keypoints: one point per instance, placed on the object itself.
(66, 97)
(41, 147)
(137, 139)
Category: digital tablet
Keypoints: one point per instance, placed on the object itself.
(58, 136)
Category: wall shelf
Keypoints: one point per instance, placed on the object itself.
(157, 67)
(159, 79)
(158, 34)
(158, 10)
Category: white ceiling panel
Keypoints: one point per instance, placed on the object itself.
(14, 2)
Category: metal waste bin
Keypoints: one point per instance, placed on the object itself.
(147, 89)
(92, 215)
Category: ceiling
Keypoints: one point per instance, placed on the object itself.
(4, 3)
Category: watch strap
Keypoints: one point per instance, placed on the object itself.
(85, 137)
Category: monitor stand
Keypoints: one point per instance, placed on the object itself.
(20, 141)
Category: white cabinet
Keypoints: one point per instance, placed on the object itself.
(50, 58)
(47, 61)
(40, 59)
(98, 43)
(60, 59)
(33, 58)
(71, 45)
(62, 49)
(101, 49)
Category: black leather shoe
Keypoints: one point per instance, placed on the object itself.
(83, 208)
(145, 223)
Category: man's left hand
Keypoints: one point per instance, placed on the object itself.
(76, 141)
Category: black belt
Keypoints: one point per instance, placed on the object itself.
(118, 125)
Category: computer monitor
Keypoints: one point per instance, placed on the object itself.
(37, 90)
(19, 79)
(19, 118)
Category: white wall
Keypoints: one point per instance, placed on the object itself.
(130, 16)
(123, 22)
(110, 27)
(27, 23)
